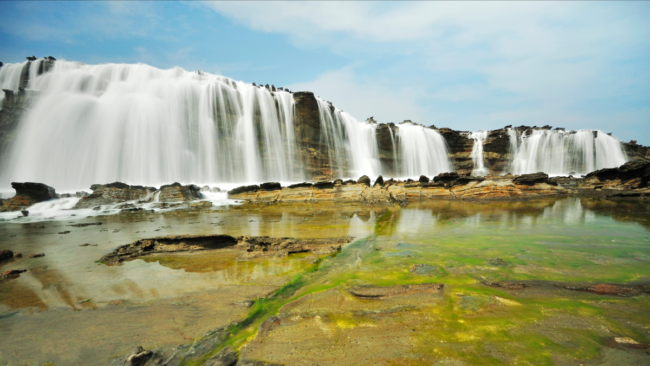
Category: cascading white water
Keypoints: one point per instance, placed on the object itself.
(349, 140)
(477, 153)
(558, 152)
(142, 125)
(423, 151)
(10, 78)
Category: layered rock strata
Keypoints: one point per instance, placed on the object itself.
(249, 247)
(28, 194)
(108, 194)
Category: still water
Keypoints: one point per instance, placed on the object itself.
(69, 310)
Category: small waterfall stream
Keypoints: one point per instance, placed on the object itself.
(477, 153)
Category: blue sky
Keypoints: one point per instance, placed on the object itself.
(465, 65)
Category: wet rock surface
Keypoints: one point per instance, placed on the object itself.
(28, 194)
(249, 246)
(177, 192)
(113, 193)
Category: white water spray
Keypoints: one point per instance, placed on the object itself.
(477, 153)
(558, 152)
(141, 125)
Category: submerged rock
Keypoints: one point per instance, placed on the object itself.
(378, 292)
(498, 262)
(6, 255)
(28, 194)
(249, 246)
(597, 288)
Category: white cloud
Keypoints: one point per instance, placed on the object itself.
(363, 98)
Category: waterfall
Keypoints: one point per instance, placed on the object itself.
(142, 125)
(349, 142)
(423, 151)
(558, 152)
(477, 153)
(10, 78)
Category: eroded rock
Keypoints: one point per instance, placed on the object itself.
(28, 194)
(114, 193)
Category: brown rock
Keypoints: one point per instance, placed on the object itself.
(113, 193)
(37, 255)
(28, 194)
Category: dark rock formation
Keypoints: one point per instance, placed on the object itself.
(423, 179)
(113, 193)
(632, 175)
(270, 186)
(244, 189)
(446, 177)
(6, 255)
(364, 180)
(28, 194)
(531, 178)
(379, 182)
(249, 246)
(177, 192)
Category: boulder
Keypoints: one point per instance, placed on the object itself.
(205, 189)
(28, 194)
(634, 173)
(379, 182)
(6, 255)
(423, 179)
(113, 193)
(364, 180)
(530, 179)
(177, 192)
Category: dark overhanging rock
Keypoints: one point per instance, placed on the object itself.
(27, 194)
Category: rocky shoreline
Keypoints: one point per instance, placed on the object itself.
(629, 180)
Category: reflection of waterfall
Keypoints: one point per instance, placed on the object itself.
(558, 152)
(423, 150)
(139, 124)
(477, 153)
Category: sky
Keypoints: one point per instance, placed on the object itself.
(460, 64)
